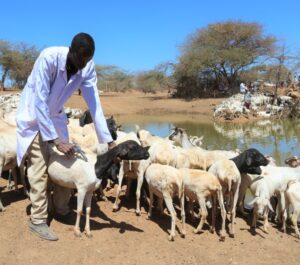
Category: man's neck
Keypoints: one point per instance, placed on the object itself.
(71, 69)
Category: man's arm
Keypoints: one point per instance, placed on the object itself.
(90, 93)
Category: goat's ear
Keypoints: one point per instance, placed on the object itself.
(253, 201)
(270, 206)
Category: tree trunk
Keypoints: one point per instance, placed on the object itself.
(5, 72)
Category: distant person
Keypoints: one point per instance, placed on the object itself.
(243, 88)
(247, 99)
(41, 120)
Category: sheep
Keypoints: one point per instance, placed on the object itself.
(259, 188)
(80, 174)
(199, 185)
(180, 136)
(248, 161)
(293, 199)
(230, 178)
(293, 161)
(166, 182)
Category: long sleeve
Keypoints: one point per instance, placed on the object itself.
(42, 72)
(91, 96)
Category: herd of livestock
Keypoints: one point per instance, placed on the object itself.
(172, 167)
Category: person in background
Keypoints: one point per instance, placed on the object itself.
(41, 121)
(243, 88)
(247, 99)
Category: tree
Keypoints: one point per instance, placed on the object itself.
(24, 58)
(218, 54)
(6, 61)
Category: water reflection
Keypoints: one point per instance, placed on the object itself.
(277, 138)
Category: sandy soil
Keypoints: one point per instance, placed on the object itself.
(124, 238)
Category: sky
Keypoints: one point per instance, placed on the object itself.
(137, 35)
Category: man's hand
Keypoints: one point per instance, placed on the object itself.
(66, 148)
(111, 145)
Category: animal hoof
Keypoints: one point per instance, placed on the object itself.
(183, 234)
(171, 238)
(115, 209)
(231, 235)
(222, 238)
(138, 213)
(212, 230)
(88, 235)
(195, 231)
(77, 233)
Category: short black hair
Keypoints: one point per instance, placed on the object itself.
(83, 40)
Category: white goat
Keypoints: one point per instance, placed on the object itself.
(293, 199)
(166, 183)
(230, 178)
(200, 185)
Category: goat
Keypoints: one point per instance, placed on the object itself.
(230, 178)
(80, 174)
(293, 199)
(198, 186)
(166, 182)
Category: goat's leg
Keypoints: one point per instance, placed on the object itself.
(129, 182)
(9, 185)
(203, 214)
(213, 214)
(294, 221)
(15, 176)
(2, 209)
(169, 204)
(80, 199)
(161, 205)
(241, 197)
(119, 189)
(233, 209)
(138, 192)
(88, 200)
(254, 218)
(150, 203)
(190, 209)
(181, 197)
(22, 176)
(284, 207)
(223, 214)
(266, 222)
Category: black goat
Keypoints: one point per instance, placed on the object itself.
(86, 118)
(250, 161)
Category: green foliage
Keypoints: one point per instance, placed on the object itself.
(111, 78)
(218, 54)
(16, 62)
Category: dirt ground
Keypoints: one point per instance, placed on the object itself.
(124, 238)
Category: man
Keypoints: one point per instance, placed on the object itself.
(41, 120)
(243, 88)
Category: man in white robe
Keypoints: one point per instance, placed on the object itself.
(57, 73)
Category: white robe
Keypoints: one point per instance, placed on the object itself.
(42, 100)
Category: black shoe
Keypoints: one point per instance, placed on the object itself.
(42, 230)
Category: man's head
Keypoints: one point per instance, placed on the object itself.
(82, 50)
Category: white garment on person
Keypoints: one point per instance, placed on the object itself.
(243, 88)
(41, 107)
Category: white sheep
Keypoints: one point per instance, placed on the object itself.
(293, 199)
(166, 182)
(199, 186)
(230, 178)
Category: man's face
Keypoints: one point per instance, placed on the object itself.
(80, 58)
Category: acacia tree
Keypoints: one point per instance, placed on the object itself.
(219, 53)
(6, 60)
